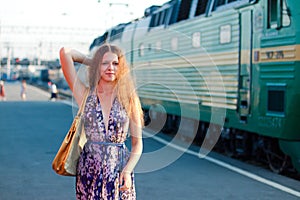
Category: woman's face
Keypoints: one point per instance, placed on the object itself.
(109, 67)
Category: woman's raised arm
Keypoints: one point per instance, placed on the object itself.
(67, 59)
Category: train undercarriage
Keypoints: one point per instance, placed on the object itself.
(238, 144)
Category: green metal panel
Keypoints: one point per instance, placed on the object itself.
(278, 66)
(195, 75)
(181, 72)
(220, 62)
(292, 148)
(205, 63)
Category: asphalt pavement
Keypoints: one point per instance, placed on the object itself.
(31, 132)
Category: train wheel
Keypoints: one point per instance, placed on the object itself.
(227, 143)
(277, 160)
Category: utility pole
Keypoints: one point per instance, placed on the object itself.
(40, 52)
(8, 67)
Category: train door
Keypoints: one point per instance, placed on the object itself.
(245, 64)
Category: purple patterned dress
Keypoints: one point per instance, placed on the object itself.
(104, 155)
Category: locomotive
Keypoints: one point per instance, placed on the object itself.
(223, 73)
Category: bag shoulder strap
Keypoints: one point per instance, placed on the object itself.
(83, 102)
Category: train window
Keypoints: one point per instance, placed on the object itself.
(272, 13)
(158, 19)
(117, 33)
(225, 4)
(141, 50)
(99, 41)
(196, 39)
(184, 10)
(174, 43)
(173, 12)
(220, 2)
(229, 1)
(276, 99)
(225, 34)
(158, 46)
(286, 21)
(201, 7)
(150, 10)
(154, 20)
(278, 14)
(162, 17)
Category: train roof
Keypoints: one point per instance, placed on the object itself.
(169, 13)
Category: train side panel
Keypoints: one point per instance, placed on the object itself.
(241, 57)
(190, 52)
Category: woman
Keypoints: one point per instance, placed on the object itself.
(105, 168)
(54, 91)
(2, 91)
(23, 90)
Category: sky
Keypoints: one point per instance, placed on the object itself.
(86, 17)
(85, 13)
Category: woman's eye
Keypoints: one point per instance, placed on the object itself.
(116, 63)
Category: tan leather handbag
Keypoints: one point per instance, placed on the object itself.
(66, 159)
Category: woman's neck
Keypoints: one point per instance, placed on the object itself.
(105, 88)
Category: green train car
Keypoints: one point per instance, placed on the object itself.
(223, 73)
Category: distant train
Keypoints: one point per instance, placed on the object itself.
(224, 66)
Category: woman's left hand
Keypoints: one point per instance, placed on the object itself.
(125, 181)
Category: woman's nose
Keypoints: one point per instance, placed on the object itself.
(111, 66)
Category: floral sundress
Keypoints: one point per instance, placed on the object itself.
(104, 155)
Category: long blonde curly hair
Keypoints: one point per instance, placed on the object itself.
(125, 86)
